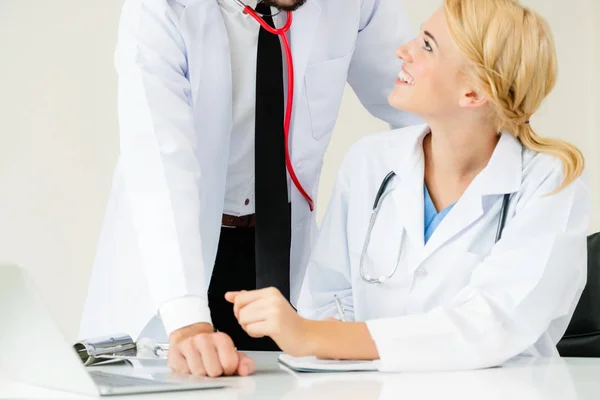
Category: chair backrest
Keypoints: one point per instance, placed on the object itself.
(582, 338)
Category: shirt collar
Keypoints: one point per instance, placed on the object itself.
(230, 4)
(504, 171)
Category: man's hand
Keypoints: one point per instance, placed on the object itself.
(198, 350)
(265, 312)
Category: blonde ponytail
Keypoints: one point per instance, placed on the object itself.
(513, 59)
(569, 155)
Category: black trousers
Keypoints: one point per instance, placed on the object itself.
(235, 269)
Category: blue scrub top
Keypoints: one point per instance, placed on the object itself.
(432, 217)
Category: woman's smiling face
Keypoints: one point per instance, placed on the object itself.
(431, 82)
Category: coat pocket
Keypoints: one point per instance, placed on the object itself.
(325, 82)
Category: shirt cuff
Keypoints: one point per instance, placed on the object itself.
(184, 311)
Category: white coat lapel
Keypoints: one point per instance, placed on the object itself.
(301, 36)
(406, 160)
(408, 194)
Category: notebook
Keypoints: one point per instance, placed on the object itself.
(314, 364)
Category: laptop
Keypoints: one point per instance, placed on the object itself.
(33, 349)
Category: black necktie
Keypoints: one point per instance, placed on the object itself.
(272, 207)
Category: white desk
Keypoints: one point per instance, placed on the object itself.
(548, 379)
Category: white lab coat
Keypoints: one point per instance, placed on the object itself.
(460, 301)
(161, 228)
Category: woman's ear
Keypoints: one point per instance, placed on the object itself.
(472, 98)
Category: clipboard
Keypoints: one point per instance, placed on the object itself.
(119, 347)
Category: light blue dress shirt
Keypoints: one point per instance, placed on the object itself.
(432, 217)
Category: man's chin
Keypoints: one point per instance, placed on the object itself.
(285, 5)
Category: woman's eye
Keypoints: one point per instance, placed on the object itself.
(426, 45)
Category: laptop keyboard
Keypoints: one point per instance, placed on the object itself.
(115, 380)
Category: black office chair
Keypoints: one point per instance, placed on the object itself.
(582, 338)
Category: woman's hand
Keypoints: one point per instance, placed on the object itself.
(265, 312)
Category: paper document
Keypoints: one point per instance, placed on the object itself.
(314, 364)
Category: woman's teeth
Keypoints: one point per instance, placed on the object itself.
(403, 76)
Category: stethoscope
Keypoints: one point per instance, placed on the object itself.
(281, 32)
(381, 193)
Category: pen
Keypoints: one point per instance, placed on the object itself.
(341, 312)
(147, 346)
(162, 349)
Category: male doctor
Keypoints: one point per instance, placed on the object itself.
(201, 201)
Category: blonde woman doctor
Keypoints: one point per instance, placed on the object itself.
(476, 252)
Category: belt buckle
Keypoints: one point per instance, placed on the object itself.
(231, 221)
(228, 221)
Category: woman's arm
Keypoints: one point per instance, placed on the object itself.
(265, 312)
(328, 270)
(340, 340)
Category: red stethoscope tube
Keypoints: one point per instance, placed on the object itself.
(290, 95)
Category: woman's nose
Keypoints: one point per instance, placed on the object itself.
(403, 52)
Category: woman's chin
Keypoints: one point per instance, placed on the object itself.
(400, 101)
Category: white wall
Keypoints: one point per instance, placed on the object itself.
(59, 134)
(58, 141)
